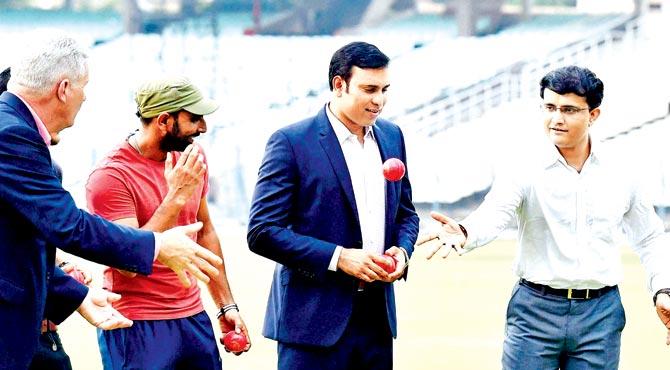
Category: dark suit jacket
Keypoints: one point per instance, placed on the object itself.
(36, 216)
(303, 207)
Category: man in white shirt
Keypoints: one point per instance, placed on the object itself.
(570, 201)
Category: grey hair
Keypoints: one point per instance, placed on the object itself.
(41, 68)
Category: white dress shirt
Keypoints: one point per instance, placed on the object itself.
(568, 221)
(364, 162)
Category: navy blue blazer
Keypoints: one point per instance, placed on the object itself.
(36, 216)
(303, 207)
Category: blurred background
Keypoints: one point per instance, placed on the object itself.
(464, 77)
(464, 89)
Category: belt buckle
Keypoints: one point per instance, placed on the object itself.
(571, 297)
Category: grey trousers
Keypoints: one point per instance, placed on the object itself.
(544, 331)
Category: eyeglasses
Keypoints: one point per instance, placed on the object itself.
(566, 110)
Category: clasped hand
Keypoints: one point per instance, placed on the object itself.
(366, 266)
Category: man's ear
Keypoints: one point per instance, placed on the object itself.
(164, 123)
(62, 90)
(593, 116)
(339, 85)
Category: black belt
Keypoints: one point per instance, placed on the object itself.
(365, 288)
(567, 293)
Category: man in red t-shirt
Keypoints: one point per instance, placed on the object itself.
(154, 180)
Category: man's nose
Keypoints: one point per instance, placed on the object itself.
(557, 116)
(378, 98)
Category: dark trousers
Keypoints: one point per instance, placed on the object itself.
(174, 344)
(366, 343)
(50, 354)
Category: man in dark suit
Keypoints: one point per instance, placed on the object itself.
(37, 215)
(324, 212)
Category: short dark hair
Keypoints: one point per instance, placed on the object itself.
(577, 80)
(147, 120)
(359, 54)
(4, 79)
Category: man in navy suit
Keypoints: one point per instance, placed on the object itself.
(324, 212)
(37, 215)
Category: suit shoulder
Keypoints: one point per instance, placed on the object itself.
(387, 125)
(8, 120)
(13, 127)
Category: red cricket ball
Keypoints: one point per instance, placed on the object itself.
(394, 169)
(234, 342)
(389, 263)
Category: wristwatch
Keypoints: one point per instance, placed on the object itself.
(661, 291)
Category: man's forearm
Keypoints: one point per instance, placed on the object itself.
(166, 215)
(218, 288)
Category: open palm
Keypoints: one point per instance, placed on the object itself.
(448, 237)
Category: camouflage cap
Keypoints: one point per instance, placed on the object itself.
(172, 94)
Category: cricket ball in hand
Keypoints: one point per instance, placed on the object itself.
(389, 263)
(235, 342)
(394, 169)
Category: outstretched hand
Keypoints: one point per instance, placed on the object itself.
(181, 254)
(97, 309)
(663, 311)
(81, 275)
(450, 236)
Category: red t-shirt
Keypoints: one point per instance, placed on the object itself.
(127, 185)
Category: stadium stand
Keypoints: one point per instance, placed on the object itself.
(458, 98)
(635, 117)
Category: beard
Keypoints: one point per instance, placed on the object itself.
(173, 142)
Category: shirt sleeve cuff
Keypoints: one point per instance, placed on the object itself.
(470, 242)
(659, 282)
(157, 245)
(336, 257)
(405, 254)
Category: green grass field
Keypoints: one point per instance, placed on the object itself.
(451, 312)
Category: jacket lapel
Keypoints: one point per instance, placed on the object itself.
(333, 150)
